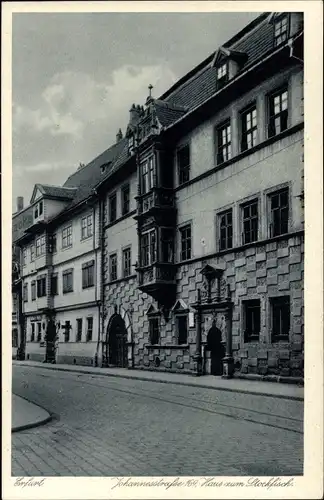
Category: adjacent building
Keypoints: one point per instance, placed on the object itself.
(197, 244)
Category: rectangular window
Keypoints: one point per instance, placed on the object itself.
(32, 253)
(67, 328)
(249, 129)
(40, 246)
(279, 209)
(131, 144)
(222, 75)
(112, 207)
(125, 199)
(24, 257)
(54, 284)
(33, 290)
(67, 281)
(185, 238)
(41, 286)
(88, 274)
(167, 242)
(40, 208)
(36, 212)
(278, 112)
(280, 317)
(25, 292)
(252, 320)
(67, 236)
(183, 162)
(32, 335)
(147, 175)
(79, 330)
(224, 146)
(39, 332)
(182, 327)
(89, 329)
(126, 262)
(225, 220)
(113, 267)
(154, 330)
(250, 222)
(148, 248)
(86, 227)
(280, 31)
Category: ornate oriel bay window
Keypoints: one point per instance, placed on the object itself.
(155, 223)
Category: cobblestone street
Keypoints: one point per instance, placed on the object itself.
(106, 426)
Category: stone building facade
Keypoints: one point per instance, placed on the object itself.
(200, 221)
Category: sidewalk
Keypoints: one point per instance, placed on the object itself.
(256, 387)
(26, 414)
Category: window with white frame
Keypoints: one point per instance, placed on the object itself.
(89, 329)
(88, 274)
(185, 242)
(32, 253)
(67, 236)
(224, 143)
(250, 221)
(148, 248)
(86, 227)
(280, 30)
(38, 209)
(222, 74)
(40, 246)
(67, 277)
(249, 128)
(131, 144)
(41, 286)
(278, 112)
(279, 212)
(147, 175)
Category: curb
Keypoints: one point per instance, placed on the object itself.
(32, 424)
(143, 379)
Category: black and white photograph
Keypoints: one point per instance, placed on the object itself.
(158, 248)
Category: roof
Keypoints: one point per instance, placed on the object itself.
(166, 113)
(86, 178)
(53, 192)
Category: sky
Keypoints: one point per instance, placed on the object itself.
(76, 75)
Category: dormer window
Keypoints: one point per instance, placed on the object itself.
(104, 167)
(280, 30)
(38, 210)
(222, 75)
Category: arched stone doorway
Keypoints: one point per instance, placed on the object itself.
(116, 342)
(215, 350)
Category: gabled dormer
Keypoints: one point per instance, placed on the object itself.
(227, 64)
(285, 25)
(48, 201)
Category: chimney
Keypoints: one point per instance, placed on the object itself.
(134, 115)
(20, 203)
(119, 135)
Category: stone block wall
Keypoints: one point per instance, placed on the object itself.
(264, 271)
